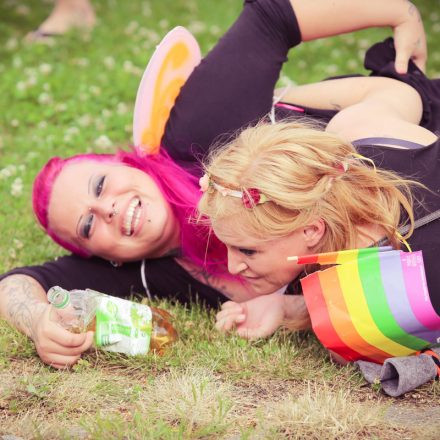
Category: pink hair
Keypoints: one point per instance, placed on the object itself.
(178, 186)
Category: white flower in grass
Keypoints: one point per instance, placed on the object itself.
(164, 23)
(72, 131)
(153, 36)
(8, 171)
(109, 62)
(129, 67)
(46, 87)
(21, 86)
(21, 168)
(42, 125)
(433, 16)
(83, 96)
(436, 28)
(331, 69)
(22, 10)
(352, 64)
(146, 9)
(82, 62)
(121, 108)
(215, 30)
(85, 120)
(11, 44)
(95, 90)
(61, 107)
(196, 27)
(106, 113)
(15, 123)
(31, 80)
(361, 54)
(143, 32)
(336, 53)
(12, 253)
(45, 98)
(131, 28)
(17, 187)
(17, 62)
(103, 142)
(18, 244)
(45, 68)
(364, 43)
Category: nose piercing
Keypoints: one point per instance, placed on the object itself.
(114, 212)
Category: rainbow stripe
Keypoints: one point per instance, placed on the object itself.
(372, 304)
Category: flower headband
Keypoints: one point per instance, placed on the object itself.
(249, 197)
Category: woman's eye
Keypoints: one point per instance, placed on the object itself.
(99, 186)
(87, 226)
(247, 252)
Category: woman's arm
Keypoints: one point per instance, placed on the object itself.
(24, 305)
(323, 18)
(368, 107)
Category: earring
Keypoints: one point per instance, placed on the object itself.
(115, 263)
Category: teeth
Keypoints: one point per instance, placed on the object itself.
(129, 216)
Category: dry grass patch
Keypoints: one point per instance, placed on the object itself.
(319, 413)
(193, 398)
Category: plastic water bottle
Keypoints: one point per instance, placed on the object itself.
(119, 325)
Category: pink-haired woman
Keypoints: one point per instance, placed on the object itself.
(125, 210)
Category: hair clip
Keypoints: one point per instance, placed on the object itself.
(250, 197)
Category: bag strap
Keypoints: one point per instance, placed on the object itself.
(428, 218)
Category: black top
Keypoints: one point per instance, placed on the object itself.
(232, 87)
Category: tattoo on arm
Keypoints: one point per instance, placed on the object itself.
(213, 281)
(336, 106)
(22, 303)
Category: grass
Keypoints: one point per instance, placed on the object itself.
(78, 95)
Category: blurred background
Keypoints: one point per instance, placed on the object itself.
(75, 92)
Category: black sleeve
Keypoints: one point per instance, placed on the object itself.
(233, 85)
(164, 277)
(73, 272)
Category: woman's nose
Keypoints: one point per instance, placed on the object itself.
(235, 264)
(105, 210)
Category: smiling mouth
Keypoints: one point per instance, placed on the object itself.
(132, 217)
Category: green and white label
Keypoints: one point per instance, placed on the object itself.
(122, 326)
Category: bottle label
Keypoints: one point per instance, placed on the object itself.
(122, 326)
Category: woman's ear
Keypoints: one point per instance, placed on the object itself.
(313, 232)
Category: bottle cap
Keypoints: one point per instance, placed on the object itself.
(58, 297)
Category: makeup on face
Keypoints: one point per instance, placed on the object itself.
(113, 211)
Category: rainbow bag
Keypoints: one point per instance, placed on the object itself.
(373, 303)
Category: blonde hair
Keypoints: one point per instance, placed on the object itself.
(303, 173)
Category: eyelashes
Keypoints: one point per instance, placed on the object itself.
(99, 185)
(247, 252)
(87, 226)
(88, 220)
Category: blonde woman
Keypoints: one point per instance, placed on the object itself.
(290, 188)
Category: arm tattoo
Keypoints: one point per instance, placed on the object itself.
(335, 106)
(22, 303)
(209, 280)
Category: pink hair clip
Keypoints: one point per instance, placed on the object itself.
(250, 197)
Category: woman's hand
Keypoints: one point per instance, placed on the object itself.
(257, 318)
(324, 18)
(410, 41)
(24, 305)
(57, 346)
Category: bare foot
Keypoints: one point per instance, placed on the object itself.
(66, 15)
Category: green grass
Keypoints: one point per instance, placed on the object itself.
(78, 95)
